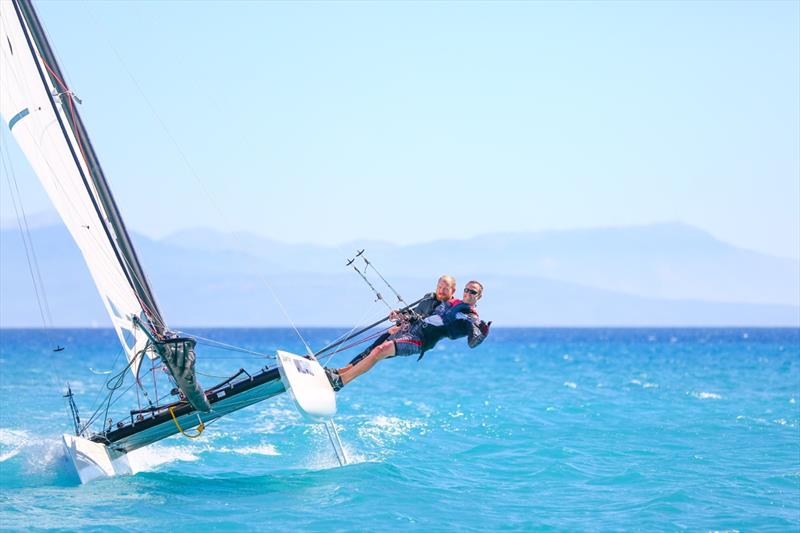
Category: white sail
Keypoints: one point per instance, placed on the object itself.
(40, 113)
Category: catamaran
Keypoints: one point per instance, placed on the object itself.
(41, 112)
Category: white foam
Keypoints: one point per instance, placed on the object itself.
(425, 409)
(11, 442)
(40, 453)
(381, 428)
(324, 457)
(261, 449)
(8, 454)
(275, 418)
(650, 385)
(570, 384)
(706, 396)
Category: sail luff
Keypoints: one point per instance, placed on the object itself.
(39, 119)
(129, 258)
(41, 114)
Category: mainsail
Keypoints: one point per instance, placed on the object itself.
(40, 111)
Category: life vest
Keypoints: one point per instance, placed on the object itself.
(455, 326)
(452, 327)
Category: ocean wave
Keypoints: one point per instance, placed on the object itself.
(38, 453)
(706, 395)
(153, 456)
(11, 442)
(644, 385)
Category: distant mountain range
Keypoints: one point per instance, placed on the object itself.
(655, 275)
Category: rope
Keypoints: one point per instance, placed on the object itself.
(200, 427)
(356, 343)
(77, 134)
(223, 345)
(118, 379)
(27, 241)
(210, 376)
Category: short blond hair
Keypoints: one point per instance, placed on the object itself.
(451, 280)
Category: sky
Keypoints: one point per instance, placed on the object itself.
(407, 122)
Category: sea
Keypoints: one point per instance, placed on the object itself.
(535, 430)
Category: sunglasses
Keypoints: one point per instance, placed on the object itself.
(472, 292)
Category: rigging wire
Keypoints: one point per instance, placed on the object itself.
(27, 241)
(374, 290)
(115, 383)
(30, 255)
(358, 324)
(75, 130)
(222, 345)
(73, 119)
(78, 212)
(355, 343)
(32, 260)
(369, 264)
(97, 403)
(203, 188)
(70, 95)
(119, 380)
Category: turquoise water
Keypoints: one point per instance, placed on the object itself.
(537, 429)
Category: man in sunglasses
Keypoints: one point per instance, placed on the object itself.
(452, 319)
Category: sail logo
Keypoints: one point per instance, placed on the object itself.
(303, 367)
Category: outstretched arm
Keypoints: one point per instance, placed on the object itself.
(478, 329)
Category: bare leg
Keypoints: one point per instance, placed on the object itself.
(351, 372)
(380, 340)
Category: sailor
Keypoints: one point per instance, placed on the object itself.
(445, 288)
(453, 319)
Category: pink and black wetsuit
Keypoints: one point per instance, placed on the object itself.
(453, 319)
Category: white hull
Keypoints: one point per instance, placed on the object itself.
(93, 460)
(310, 389)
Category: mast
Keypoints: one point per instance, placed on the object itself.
(128, 258)
(40, 110)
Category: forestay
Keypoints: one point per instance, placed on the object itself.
(40, 112)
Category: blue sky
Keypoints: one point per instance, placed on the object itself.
(408, 122)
